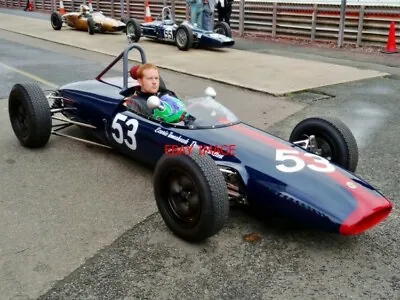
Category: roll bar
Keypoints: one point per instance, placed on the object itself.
(124, 55)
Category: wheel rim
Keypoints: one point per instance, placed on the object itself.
(20, 118)
(181, 197)
(325, 148)
(181, 38)
(219, 30)
(130, 29)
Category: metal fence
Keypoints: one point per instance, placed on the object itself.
(364, 24)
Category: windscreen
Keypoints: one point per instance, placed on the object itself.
(206, 112)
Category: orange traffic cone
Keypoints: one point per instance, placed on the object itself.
(62, 9)
(147, 17)
(391, 41)
(30, 7)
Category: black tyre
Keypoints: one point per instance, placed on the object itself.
(223, 28)
(124, 20)
(184, 37)
(91, 25)
(30, 115)
(191, 195)
(56, 20)
(333, 137)
(133, 30)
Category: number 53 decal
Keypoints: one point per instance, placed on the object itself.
(296, 163)
(118, 132)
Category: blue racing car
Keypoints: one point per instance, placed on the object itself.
(210, 159)
(184, 35)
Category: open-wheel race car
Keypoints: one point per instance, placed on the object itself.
(184, 35)
(310, 177)
(86, 20)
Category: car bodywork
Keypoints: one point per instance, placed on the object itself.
(92, 22)
(184, 35)
(265, 171)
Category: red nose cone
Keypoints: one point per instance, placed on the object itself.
(365, 217)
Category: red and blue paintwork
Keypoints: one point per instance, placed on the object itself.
(337, 201)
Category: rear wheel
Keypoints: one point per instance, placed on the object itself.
(30, 115)
(191, 195)
(91, 25)
(56, 20)
(223, 28)
(334, 140)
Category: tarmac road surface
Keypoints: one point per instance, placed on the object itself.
(77, 243)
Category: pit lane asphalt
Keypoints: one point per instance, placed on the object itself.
(147, 262)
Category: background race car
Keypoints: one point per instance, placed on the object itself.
(86, 20)
(184, 35)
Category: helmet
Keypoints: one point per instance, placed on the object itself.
(84, 8)
(174, 109)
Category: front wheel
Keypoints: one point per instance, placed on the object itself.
(184, 37)
(191, 195)
(30, 115)
(334, 140)
(91, 25)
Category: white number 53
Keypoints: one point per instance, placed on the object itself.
(295, 163)
(132, 126)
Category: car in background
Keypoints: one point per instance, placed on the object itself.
(86, 20)
(184, 35)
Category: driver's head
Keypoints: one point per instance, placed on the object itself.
(148, 78)
(84, 8)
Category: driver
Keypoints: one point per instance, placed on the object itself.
(149, 80)
(84, 10)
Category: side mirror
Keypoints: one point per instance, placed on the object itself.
(154, 102)
(210, 92)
